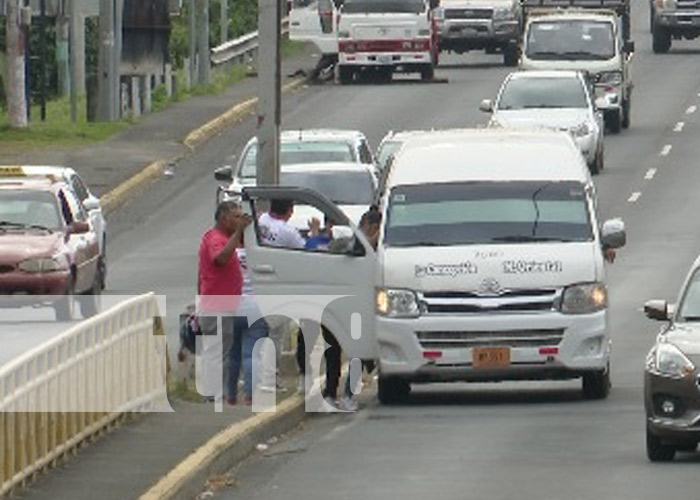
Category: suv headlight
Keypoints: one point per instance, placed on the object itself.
(581, 130)
(612, 78)
(668, 361)
(395, 303)
(42, 265)
(584, 298)
(502, 14)
(667, 4)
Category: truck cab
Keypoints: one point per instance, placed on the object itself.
(585, 40)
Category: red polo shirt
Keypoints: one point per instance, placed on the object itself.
(219, 286)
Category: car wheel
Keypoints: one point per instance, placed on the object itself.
(626, 111)
(345, 74)
(392, 390)
(614, 121)
(510, 55)
(91, 301)
(64, 308)
(427, 73)
(102, 266)
(596, 385)
(657, 451)
(661, 39)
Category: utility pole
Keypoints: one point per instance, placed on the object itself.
(75, 59)
(224, 21)
(269, 100)
(192, 11)
(63, 51)
(16, 65)
(42, 59)
(108, 86)
(203, 42)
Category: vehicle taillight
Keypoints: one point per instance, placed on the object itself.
(432, 354)
(347, 47)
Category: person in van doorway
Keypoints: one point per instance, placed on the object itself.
(220, 284)
(275, 230)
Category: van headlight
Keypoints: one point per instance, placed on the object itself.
(584, 298)
(610, 78)
(668, 361)
(396, 303)
(503, 14)
(581, 130)
(667, 4)
(42, 265)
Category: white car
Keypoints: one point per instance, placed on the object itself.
(559, 100)
(350, 186)
(90, 202)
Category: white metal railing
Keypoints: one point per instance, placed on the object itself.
(56, 396)
(242, 48)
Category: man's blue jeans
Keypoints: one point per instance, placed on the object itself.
(241, 354)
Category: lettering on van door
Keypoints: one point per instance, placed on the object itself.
(532, 266)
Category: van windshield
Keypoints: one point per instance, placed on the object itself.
(383, 6)
(487, 212)
(524, 93)
(570, 40)
(297, 153)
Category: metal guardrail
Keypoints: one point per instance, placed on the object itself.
(241, 48)
(55, 397)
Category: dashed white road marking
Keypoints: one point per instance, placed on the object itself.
(634, 197)
(650, 174)
(691, 109)
(666, 150)
(679, 127)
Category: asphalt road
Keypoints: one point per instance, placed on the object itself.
(529, 440)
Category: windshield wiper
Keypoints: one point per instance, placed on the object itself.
(584, 54)
(19, 225)
(525, 239)
(544, 53)
(541, 106)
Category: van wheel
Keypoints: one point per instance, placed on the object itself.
(64, 308)
(392, 390)
(661, 40)
(427, 73)
(91, 301)
(596, 385)
(510, 55)
(657, 451)
(626, 110)
(614, 121)
(345, 74)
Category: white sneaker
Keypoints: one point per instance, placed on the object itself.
(348, 404)
(280, 386)
(301, 385)
(332, 406)
(266, 388)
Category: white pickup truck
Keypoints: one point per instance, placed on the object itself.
(386, 37)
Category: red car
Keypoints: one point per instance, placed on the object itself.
(49, 253)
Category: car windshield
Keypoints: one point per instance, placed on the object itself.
(24, 208)
(387, 149)
(571, 40)
(383, 6)
(342, 188)
(689, 309)
(523, 93)
(487, 212)
(294, 153)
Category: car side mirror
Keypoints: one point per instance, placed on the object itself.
(79, 227)
(628, 47)
(486, 106)
(657, 309)
(91, 203)
(613, 234)
(224, 174)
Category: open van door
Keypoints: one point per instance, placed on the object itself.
(315, 21)
(340, 281)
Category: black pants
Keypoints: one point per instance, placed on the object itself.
(332, 356)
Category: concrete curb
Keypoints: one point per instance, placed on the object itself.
(138, 183)
(224, 450)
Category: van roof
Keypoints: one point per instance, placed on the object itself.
(488, 155)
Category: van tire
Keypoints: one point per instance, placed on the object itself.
(511, 55)
(626, 111)
(64, 308)
(661, 39)
(392, 390)
(596, 385)
(427, 73)
(657, 451)
(91, 301)
(345, 74)
(614, 121)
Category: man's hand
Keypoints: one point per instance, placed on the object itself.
(314, 226)
(244, 221)
(610, 255)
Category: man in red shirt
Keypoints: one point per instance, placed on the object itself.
(220, 284)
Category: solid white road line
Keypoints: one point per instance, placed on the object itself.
(679, 127)
(666, 150)
(691, 109)
(634, 197)
(650, 174)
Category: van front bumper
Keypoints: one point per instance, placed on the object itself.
(584, 346)
(384, 59)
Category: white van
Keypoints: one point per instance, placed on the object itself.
(489, 265)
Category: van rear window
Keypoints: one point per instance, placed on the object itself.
(383, 6)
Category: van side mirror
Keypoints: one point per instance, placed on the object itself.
(224, 174)
(486, 106)
(613, 234)
(657, 309)
(91, 203)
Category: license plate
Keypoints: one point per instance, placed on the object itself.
(489, 357)
(470, 32)
(384, 59)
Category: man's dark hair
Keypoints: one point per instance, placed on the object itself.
(280, 207)
(223, 208)
(371, 216)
